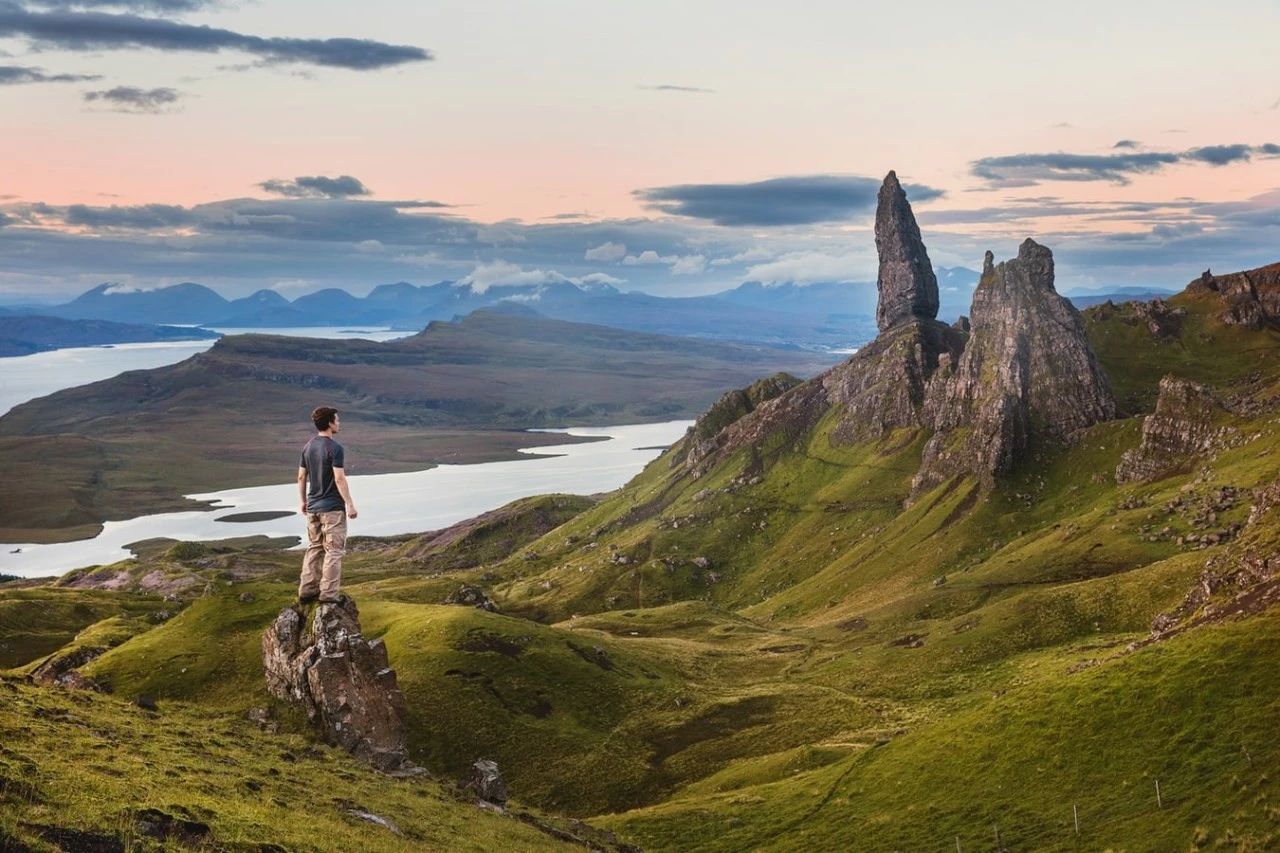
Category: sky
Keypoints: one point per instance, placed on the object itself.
(677, 148)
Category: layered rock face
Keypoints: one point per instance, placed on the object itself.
(1250, 298)
(342, 680)
(708, 434)
(1019, 370)
(883, 387)
(1027, 374)
(1184, 424)
(907, 283)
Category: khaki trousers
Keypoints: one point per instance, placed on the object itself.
(322, 562)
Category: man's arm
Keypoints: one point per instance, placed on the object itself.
(302, 490)
(340, 480)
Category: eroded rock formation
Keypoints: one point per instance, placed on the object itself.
(907, 283)
(342, 680)
(1187, 421)
(1250, 298)
(1019, 370)
(1027, 374)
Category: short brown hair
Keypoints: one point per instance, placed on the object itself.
(323, 417)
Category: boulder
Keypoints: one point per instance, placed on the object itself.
(470, 595)
(341, 680)
(486, 782)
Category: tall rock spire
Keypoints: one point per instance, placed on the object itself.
(907, 284)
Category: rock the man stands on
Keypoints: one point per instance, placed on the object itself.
(326, 504)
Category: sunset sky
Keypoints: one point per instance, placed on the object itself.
(673, 147)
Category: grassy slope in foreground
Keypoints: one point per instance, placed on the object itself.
(89, 762)
(237, 414)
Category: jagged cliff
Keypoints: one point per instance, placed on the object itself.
(1018, 371)
(1250, 298)
(1027, 374)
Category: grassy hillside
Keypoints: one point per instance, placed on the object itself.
(787, 654)
(80, 771)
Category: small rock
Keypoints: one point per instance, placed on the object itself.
(247, 598)
(146, 702)
(472, 596)
(487, 783)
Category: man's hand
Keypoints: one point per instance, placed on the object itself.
(352, 512)
(302, 508)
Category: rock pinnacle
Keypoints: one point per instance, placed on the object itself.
(907, 284)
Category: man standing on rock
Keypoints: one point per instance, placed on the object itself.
(326, 503)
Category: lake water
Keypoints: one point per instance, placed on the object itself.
(389, 504)
(26, 377)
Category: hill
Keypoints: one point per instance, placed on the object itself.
(23, 335)
(457, 392)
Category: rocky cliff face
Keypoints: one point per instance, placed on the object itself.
(709, 433)
(342, 680)
(907, 284)
(1186, 422)
(1027, 374)
(1017, 371)
(1250, 298)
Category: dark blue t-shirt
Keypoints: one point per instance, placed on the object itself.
(321, 455)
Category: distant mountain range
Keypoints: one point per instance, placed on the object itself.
(813, 316)
(817, 316)
(1088, 298)
(24, 335)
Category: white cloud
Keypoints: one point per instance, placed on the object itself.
(807, 267)
(607, 252)
(598, 278)
(689, 265)
(680, 264)
(120, 288)
(750, 256)
(292, 284)
(370, 247)
(648, 256)
(492, 273)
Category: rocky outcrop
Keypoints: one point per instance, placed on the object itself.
(1250, 298)
(1027, 375)
(63, 668)
(708, 435)
(341, 680)
(1187, 422)
(1017, 371)
(907, 283)
(883, 387)
(470, 595)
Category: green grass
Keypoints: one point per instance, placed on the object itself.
(806, 661)
(88, 762)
